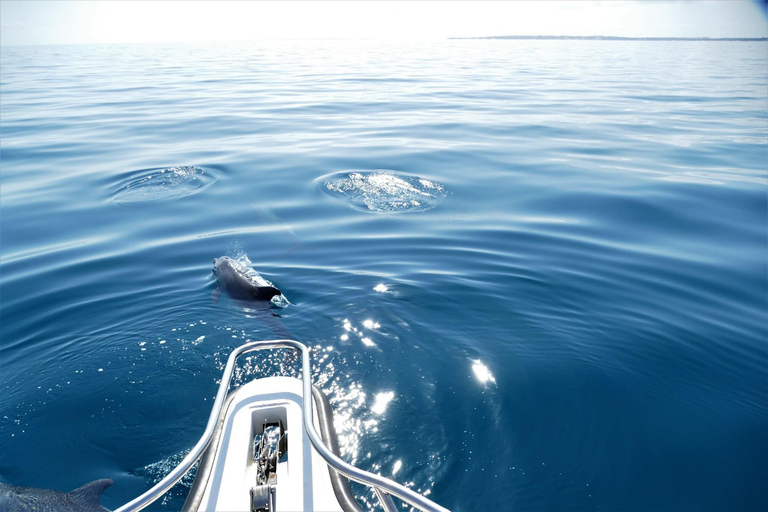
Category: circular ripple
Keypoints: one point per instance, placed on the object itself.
(384, 191)
(169, 183)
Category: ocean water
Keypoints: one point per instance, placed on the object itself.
(533, 273)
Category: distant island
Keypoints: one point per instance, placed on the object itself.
(617, 38)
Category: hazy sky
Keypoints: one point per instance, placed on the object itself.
(65, 22)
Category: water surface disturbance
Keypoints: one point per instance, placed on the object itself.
(384, 191)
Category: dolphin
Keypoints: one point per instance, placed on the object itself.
(238, 285)
(30, 499)
(247, 292)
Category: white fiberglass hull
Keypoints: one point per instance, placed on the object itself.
(302, 480)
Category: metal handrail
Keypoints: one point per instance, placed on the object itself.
(383, 486)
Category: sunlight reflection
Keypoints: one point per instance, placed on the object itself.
(367, 324)
(347, 404)
(381, 288)
(381, 401)
(481, 372)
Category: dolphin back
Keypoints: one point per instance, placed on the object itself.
(89, 495)
(30, 499)
(231, 278)
(266, 292)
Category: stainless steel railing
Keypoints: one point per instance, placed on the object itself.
(384, 487)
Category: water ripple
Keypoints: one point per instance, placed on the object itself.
(170, 183)
(585, 300)
(384, 191)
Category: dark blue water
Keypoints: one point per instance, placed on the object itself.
(533, 273)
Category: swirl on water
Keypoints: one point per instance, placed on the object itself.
(168, 183)
(384, 191)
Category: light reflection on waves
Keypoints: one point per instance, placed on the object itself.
(678, 293)
(662, 297)
(508, 253)
(367, 434)
(601, 253)
(156, 471)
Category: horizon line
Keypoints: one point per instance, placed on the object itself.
(620, 38)
(506, 37)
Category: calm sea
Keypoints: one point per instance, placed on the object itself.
(533, 273)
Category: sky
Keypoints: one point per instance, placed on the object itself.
(37, 22)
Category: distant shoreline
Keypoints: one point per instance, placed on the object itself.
(618, 38)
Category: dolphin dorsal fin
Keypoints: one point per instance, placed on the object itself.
(90, 493)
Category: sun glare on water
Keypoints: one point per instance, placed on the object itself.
(381, 401)
(481, 372)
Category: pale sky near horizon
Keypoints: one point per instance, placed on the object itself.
(77, 22)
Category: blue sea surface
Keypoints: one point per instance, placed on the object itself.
(533, 274)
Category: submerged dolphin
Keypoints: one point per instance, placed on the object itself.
(237, 285)
(30, 499)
